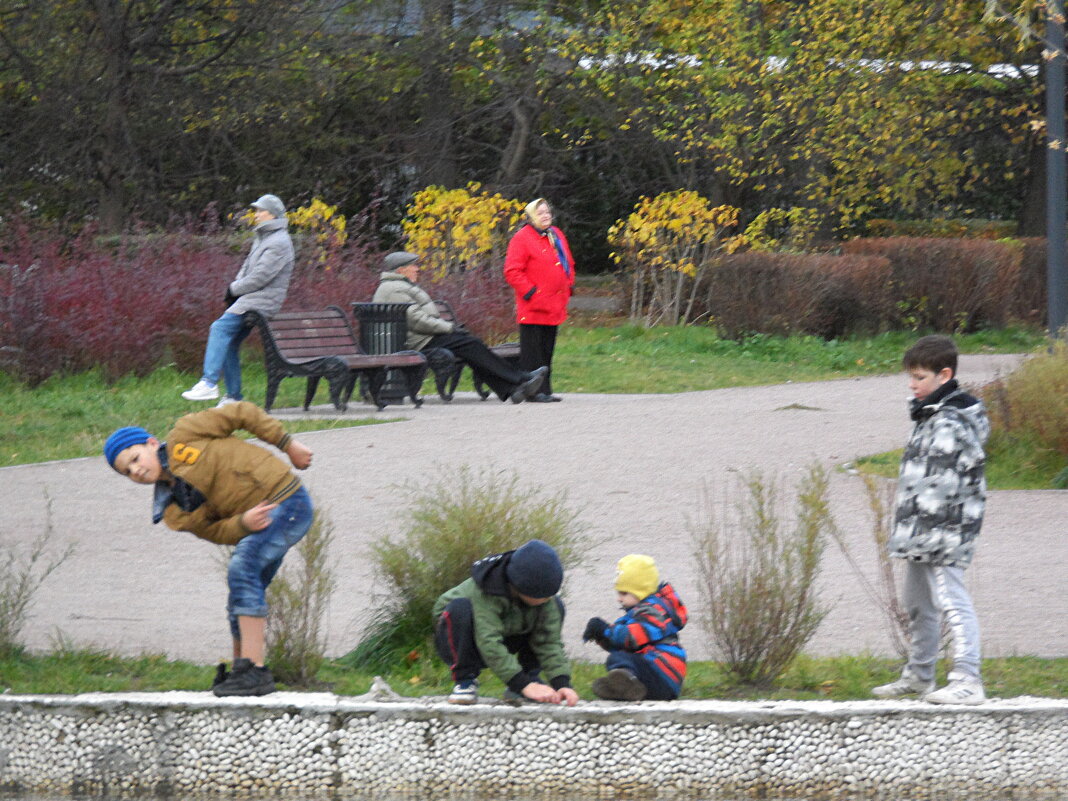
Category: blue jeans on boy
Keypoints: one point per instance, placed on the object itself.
(222, 354)
(655, 687)
(258, 556)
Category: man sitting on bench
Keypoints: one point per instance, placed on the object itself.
(426, 329)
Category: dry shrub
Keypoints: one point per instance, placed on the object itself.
(777, 293)
(951, 285)
(1032, 402)
(758, 580)
(22, 572)
(297, 600)
(883, 590)
(1029, 301)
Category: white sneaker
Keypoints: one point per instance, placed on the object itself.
(201, 390)
(962, 689)
(908, 684)
(226, 401)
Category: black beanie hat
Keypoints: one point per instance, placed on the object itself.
(535, 570)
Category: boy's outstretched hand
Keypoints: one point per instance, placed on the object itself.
(299, 454)
(544, 694)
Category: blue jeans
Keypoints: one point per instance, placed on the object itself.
(258, 556)
(222, 355)
(655, 687)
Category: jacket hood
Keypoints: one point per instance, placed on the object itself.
(390, 276)
(666, 593)
(489, 574)
(950, 396)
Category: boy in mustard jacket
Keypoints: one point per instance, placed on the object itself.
(231, 492)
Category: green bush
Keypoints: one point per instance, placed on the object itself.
(758, 580)
(466, 515)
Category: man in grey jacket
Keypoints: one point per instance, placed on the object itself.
(426, 329)
(261, 285)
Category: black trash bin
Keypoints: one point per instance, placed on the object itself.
(383, 329)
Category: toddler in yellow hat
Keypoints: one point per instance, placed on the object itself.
(645, 659)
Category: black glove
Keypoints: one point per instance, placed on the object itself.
(231, 298)
(459, 328)
(595, 630)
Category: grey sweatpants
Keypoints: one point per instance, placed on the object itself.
(932, 591)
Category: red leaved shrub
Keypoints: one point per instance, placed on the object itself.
(778, 293)
(69, 304)
(948, 284)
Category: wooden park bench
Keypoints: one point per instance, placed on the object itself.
(447, 367)
(321, 344)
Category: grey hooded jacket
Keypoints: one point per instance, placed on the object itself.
(263, 280)
(941, 491)
(422, 317)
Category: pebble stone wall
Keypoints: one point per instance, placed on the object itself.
(315, 744)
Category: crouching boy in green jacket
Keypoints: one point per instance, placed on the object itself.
(507, 617)
(231, 492)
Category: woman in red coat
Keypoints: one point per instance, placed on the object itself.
(541, 270)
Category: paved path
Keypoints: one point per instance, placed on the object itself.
(636, 465)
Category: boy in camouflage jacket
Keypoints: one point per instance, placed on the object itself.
(940, 500)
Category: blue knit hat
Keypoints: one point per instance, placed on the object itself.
(535, 570)
(123, 438)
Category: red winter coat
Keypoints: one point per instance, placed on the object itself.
(542, 286)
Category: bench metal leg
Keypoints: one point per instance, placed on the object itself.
(480, 388)
(413, 379)
(376, 377)
(309, 393)
(273, 380)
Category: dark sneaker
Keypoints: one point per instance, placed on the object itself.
(619, 685)
(529, 388)
(245, 679)
(221, 674)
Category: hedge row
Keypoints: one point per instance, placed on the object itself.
(949, 285)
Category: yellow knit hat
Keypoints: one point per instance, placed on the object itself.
(637, 574)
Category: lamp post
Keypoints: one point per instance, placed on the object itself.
(1056, 197)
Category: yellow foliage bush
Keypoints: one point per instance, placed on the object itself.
(459, 229)
(323, 227)
(667, 244)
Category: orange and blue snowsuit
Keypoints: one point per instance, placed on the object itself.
(645, 641)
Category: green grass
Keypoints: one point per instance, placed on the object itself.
(70, 416)
(631, 359)
(836, 678)
(1011, 464)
